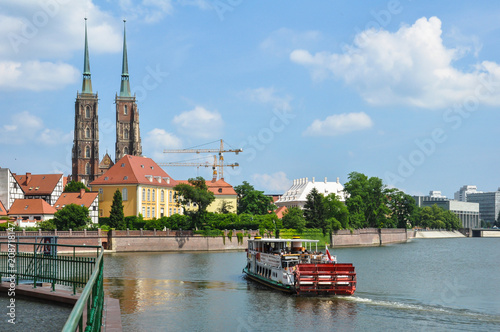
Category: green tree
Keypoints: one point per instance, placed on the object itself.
(251, 201)
(75, 186)
(225, 207)
(195, 192)
(72, 216)
(336, 212)
(366, 202)
(402, 207)
(315, 211)
(294, 218)
(47, 225)
(116, 216)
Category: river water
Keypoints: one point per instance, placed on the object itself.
(422, 285)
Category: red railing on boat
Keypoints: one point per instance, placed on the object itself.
(315, 279)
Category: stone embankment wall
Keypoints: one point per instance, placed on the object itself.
(83, 238)
(370, 237)
(123, 241)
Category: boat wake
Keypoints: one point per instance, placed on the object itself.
(427, 309)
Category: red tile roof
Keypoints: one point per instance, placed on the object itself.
(219, 187)
(280, 211)
(3, 211)
(76, 198)
(31, 206)
(38, 184)
(135, 170)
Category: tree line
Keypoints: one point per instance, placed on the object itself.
(369, 203)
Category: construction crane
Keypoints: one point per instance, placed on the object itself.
(214, 166)
(220, 165)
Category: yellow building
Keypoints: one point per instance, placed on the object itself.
(223, 192)
(146, 188)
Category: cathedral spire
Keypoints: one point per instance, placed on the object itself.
(125, 84)
(87, 83)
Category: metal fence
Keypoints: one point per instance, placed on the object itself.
(42, 263)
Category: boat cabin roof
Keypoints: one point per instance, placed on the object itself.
(273, 240)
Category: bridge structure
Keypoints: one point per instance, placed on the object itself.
(39, 262)
(484, 232)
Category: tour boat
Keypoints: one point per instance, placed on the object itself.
(291, 265)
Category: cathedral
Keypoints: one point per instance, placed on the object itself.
(85, 154)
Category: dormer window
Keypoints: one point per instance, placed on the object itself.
(106, 178)
(122, 165)
(125, 177)
(31, 188)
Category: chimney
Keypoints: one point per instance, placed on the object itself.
(325, 179)
(28, 178)
(82, 192)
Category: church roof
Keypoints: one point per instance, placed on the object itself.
(81, 198)
(87, 83)
(106, 162)
(30, 207)
(135, 170)
(38, 184)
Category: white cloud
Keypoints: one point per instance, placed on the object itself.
(276, 182)
(36, 76)
(158, 139)
(53, 31)
(268, 96)
(26, 127)
(199, 123)
(408, 67)
(151, 11)
(339, 124)
(282, 41)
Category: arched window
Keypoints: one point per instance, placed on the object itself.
(125, 150)
(124, 194)
(87, 169)
(87, 151)
(162, 196)
(149, 195)
(170, 196)
(87, 112)
(154, 196)
(143, 194)
(125, 110)
(153, 212)
(125, 134)
(87, 132)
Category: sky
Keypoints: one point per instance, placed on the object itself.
(407, 91)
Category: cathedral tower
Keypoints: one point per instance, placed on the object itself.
(128, 136)
(85, 154)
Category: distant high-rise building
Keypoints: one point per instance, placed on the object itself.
(85, 154)
(489, 204)
(461, 194)
(128, 136)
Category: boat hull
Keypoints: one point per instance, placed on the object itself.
(269, 283)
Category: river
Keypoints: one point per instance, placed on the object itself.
(422, 285)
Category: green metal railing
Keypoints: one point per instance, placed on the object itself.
(41, 263)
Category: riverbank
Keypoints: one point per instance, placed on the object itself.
(437, 234)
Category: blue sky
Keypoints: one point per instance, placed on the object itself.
(407, 91)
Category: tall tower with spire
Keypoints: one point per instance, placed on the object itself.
(85, 154)
(128, 136)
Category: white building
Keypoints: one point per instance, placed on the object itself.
(10, 190)
(461, 194)
(297, 194)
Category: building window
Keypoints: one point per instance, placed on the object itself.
(125, 110)
(170, 211)
(87, 112)
(154, 196)
(124, 194)
(148, 212)
(125, 150)
(170, 196)
(149, 195)
(87, 151)
(100, 212)
(153, 212)
(87, 168)
(87, 132)
(100, 191)
(143, 194)
(143, 211)
(162, 196)
(162, 212)
(125, 134)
